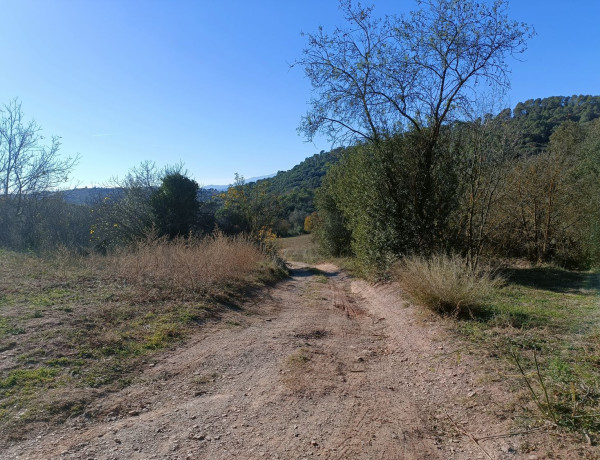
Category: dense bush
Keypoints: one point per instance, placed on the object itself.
(485, 195)
(551, 205)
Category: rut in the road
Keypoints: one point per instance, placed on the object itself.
(321, 365)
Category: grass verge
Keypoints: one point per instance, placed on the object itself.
(541, 323)
(72, 328)
(543, 326)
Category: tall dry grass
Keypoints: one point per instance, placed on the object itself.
(98, 316)
(299, 249)
(445, 284)
(185, 268)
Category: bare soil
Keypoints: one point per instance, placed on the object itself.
(321, 365)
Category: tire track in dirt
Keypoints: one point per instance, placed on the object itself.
(319, 366)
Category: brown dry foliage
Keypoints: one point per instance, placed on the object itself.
(445, 284)
(185, 268)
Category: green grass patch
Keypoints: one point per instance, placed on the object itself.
(163, 336)
(50, 296)
(5, 299)
(544, 323)
(107, 372)
(32, 357)
(10, 327)
(26, 379)
(65, 362)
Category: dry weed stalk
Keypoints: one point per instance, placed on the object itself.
(185, 267)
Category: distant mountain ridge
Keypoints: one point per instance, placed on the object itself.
(91, 195)
(223, 188)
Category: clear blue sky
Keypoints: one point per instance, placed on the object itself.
(208, 83)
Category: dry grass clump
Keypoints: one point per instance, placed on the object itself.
(185, 268)
(445, 284)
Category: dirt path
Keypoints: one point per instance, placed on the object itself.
(320, 366)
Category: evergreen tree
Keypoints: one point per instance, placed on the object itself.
(175, 205)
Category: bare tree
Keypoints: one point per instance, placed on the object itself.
(124, 215)
(28, 165)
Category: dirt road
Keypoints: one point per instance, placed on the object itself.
(319, 366)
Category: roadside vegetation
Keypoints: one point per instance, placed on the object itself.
(538, 323)
(446, 285)
(542, 326)
(73, 327)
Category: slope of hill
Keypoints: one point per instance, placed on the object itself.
(306, 175)
(295, 189)
(538, 118)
